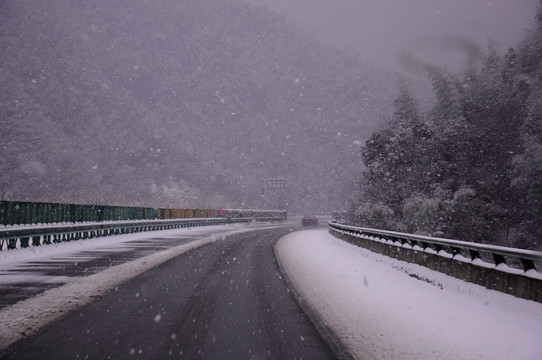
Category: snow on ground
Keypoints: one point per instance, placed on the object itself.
(10, 258)
(383, 308)
(26, 317)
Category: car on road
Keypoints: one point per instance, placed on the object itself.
(309, 221)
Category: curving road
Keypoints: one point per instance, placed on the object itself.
(224, 300)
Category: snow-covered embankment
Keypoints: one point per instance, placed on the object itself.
(382, 308)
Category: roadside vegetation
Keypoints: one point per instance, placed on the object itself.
(470, 167)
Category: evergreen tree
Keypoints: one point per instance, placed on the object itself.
(392, 156)
(527, 165)
(471, 168)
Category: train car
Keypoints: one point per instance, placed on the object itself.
(19, 213)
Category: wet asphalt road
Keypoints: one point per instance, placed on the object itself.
(225, 300)
(45, 274)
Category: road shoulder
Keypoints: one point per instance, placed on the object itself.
(334, 341)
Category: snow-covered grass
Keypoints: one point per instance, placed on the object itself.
(382, 308)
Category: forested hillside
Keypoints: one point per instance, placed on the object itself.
(175, 103)
(469, 168)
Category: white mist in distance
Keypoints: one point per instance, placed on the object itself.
(399, 34)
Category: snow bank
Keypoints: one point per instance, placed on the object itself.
(382, 308)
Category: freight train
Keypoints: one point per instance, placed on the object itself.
(19, 213)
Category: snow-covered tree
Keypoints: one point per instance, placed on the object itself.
(471, 167)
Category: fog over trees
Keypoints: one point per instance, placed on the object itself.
(177, 103)
(392, 33)
(471, 166)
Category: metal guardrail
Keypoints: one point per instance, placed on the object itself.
(24, 237)
(478, 254)
(299, 216)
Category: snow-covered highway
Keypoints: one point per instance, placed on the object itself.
(378, 307)
(217, 295)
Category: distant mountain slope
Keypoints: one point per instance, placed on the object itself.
(175, 103)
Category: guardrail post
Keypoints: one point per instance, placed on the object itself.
(24, 242)
(424, 245)
(527, 264)
(455, 251)
(474, 254)
(499, 259)
(12, 244)
(36, 240)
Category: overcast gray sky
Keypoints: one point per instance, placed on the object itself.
(388, 32)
